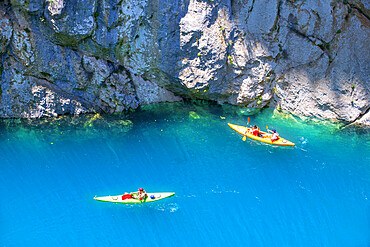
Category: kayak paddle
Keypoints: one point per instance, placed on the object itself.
(244, 137)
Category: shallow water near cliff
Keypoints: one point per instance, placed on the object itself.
(228, 192)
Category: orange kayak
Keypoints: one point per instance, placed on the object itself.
(266, 137)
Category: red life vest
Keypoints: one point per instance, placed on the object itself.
(126, 196)
(256, 131)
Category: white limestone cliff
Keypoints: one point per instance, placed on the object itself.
(307, 57)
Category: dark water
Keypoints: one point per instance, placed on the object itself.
(228, 192)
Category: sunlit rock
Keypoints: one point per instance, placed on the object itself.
(306, 57)
(70, 21)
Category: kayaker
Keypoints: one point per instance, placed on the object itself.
(141, 194)
(274, 136)
(255, 130)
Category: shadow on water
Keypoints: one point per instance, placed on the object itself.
(200, 112)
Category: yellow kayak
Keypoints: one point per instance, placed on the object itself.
(266, 137)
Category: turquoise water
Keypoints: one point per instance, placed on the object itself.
(228, 192)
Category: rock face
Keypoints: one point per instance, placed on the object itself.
(308, 57)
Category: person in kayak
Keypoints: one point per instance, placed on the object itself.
(274, 136)
(255, 130)
(141, 194)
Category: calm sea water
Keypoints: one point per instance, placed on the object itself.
(228, 192)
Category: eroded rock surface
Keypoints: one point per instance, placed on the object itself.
(307, 57)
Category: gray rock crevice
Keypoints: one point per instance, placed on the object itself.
(359, 6)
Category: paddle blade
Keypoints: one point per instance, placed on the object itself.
(244, 138)
(267, 127)
(248, 120)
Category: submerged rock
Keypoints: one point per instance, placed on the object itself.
(193, 115)
(89, 123)
(125, 125)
